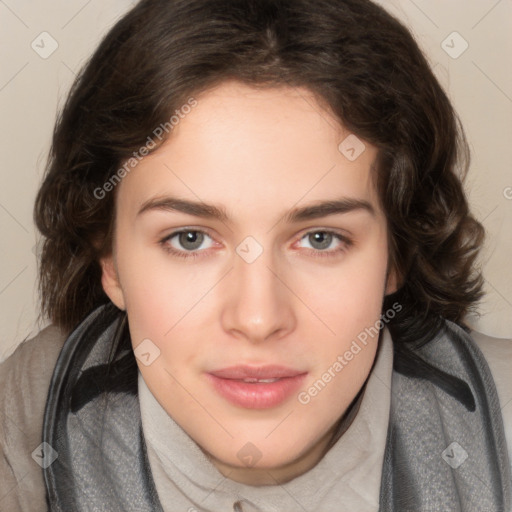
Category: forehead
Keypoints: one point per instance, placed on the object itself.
(251, 149)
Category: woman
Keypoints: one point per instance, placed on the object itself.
(258, 257)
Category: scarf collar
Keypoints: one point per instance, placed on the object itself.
(445, 445)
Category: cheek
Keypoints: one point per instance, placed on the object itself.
(348, 298)
(158, 291)
(346, 340)
(342, 359)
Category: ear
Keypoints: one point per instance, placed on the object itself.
(110, 282)
(391, 281)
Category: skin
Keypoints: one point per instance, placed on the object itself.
(258, 154)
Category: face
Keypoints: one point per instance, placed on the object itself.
(251, 240)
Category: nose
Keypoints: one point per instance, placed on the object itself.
(258, 304)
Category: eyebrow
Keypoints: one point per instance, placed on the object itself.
(210, 211)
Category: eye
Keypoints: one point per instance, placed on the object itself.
(186, 241)
(320, 241)
(190, 243)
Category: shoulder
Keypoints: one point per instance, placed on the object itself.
(498, 354)
(24, 380)
(27, 372)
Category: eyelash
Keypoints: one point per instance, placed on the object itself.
(347, 243)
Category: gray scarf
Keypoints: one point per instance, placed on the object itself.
(445, 449)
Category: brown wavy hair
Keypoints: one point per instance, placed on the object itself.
(360, 62)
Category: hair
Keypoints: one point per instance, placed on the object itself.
(358, 60)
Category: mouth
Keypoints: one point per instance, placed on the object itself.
(255, 373)
(252, 387)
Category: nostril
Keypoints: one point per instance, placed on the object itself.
(237, 507)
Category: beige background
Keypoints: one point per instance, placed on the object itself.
(32, 89)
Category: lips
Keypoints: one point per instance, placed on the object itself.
(256, 373)
(252, 387)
